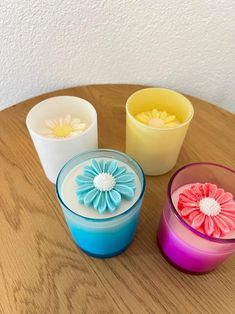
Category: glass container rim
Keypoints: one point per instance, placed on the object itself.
(143, 185)
(180, 219)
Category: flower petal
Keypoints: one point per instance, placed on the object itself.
(228, 214)
(99, 202)
(228, 207)
(216, 232)
(90, 196)
(196, 190)
(125, 178)
(142, 117)
(50, 123)
(230, 223)
(106, 165)
(46, 131)
(212, 190)
(89, 171)
(188, 210)
(95, 166)
(80, 126)
(125, 191)
(67, 119)
(83, 179)
(102, 204)
(163, 115)
(112, 167)
(115, 198)
(208, 225)
(181, 204)
(202, 190)
(80, 196)
(131, 185)
(119, 172)
(110, 204)
(218, 193)
(170, 118)
(75, 121)
(102, 165)
(198, 221)
(73, 133)
(85, 187)
(193, 215)
(187, 196)
(60, 122)
(155, 113)
(225, 198)
(221, 225)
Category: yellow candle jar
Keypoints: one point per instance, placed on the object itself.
(153, 141)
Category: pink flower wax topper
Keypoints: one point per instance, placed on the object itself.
(208, 209)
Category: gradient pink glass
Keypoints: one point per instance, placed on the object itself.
(183, 246)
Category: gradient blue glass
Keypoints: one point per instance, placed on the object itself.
(102, 237)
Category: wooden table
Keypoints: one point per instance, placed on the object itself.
(42, 270)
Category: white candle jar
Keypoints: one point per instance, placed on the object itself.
(55, 152)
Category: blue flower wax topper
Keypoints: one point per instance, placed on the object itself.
(104, 184)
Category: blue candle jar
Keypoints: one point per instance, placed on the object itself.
(100, 193)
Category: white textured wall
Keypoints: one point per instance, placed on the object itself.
(186, 45)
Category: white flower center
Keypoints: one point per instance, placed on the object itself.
(104, 182)
(209, 206)
(156, 122)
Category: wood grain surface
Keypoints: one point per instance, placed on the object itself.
(42, 270)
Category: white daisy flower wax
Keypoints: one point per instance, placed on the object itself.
(61, 127)
(101, 194)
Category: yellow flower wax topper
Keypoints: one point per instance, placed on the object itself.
(157, 119)
(63, 127)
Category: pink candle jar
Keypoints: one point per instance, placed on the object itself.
(197, 227)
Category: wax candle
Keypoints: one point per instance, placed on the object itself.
(61, 127)
(101, 193)
(156, 123)
(197, 228)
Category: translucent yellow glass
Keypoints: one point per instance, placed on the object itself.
(156, 149)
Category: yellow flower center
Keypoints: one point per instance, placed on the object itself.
(62, 131)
